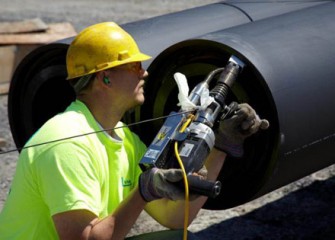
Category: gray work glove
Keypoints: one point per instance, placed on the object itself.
(233, 131)
(156, 183)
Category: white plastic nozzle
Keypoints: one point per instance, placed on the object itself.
(183, 96)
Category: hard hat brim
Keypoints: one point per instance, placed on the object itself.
(140, 57)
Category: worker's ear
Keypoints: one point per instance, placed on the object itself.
(106, 80)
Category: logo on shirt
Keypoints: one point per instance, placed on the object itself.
(126, 182)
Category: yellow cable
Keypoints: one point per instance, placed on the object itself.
(187, 205)
(185, 125)
(187, 195)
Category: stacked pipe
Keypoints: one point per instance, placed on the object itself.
(288, 49)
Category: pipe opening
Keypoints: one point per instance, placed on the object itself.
(241, 178)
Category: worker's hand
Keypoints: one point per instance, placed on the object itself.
(158, 183)
(202, 173)
(233, 131)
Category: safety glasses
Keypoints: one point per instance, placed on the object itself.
(135, 67)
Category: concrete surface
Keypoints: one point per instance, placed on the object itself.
(302, 210)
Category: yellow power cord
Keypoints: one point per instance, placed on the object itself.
(187, 195)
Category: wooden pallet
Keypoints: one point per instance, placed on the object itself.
(17, 39)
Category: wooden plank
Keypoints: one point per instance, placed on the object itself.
(4, 88)
(7, 62)
(30, 25)
(10, 57)
(56, 31)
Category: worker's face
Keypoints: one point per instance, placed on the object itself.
(128, 82)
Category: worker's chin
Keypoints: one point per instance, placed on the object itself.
(140, 99)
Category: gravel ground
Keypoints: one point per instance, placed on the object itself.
(302, 210)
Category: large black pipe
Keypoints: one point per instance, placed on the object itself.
(39, 89)
(40, 77)
(155, 34)
(289, 79)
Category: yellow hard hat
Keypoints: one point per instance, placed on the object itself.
(99, 47)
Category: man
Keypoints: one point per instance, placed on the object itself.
(91, 187)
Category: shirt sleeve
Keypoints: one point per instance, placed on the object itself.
(68, 179)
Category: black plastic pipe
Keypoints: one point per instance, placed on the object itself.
(276, 82)
(40, 77)
(288, 78)
(155, 34)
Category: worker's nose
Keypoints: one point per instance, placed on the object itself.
(144, 73)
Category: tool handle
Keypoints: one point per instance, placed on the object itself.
(203, 187)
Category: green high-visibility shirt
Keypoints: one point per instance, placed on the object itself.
(93, 172)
